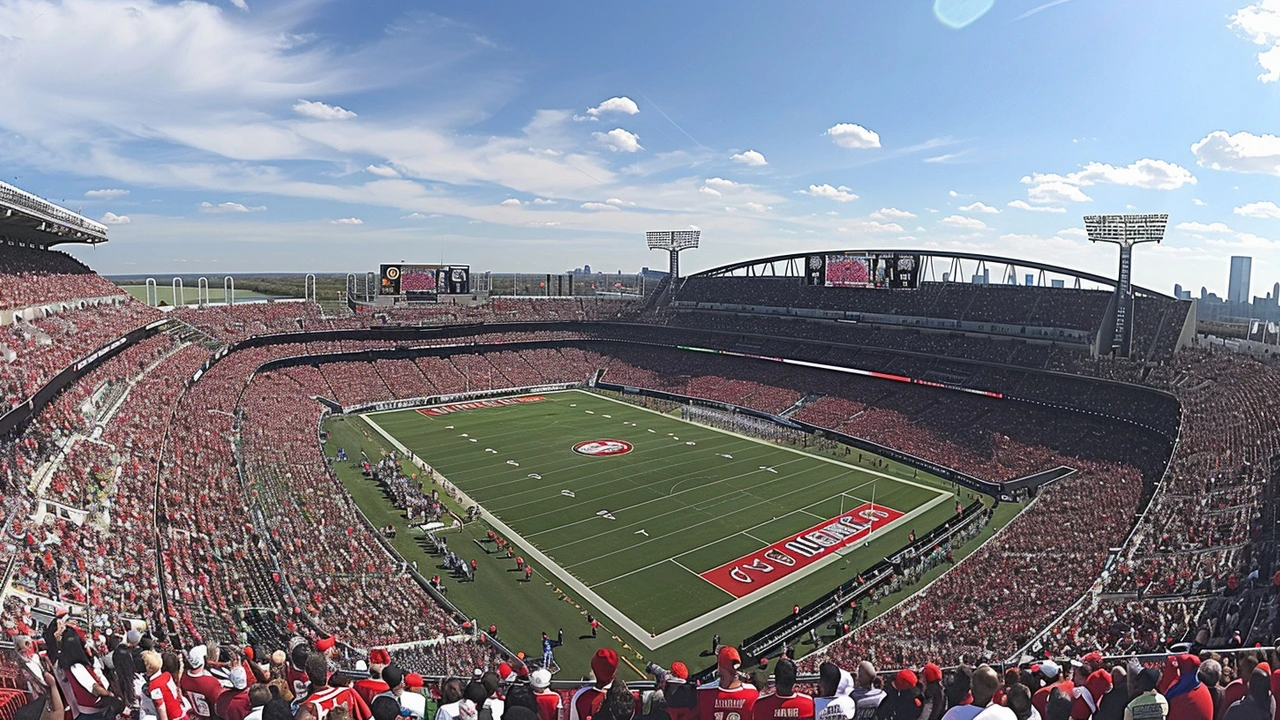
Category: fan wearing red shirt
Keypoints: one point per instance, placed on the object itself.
(374, 685)
(161, 688)
(199, 687)
(586, 701)
(548, 700)
(784, 703)
(295, 672)
(729, 699)
(324, 698)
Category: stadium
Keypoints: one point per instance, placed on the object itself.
(825, 456)
(905, 406)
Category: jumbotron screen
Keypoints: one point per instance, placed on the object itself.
(869, 270)
(424, 282)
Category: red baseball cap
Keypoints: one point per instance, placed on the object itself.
(413, 681)
(326, 643)
(729, 658)
(680, 670)
(905, 680)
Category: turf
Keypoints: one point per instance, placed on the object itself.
(708, 520)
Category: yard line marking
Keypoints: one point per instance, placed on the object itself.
(704, 546)
(714, 518)
(636, 505)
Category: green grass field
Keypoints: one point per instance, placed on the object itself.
(698, 510)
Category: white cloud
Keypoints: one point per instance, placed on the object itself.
(960, 221)
(863, 226)
(944, 158)
(1260, 24)
(114, 219)
(853, 137)
(229, 207)
(1242, 152)
(543, 201)
(1198, 202)
(618, 139)
(510, 202)
(1074, 232)
(750, 158)
(1264, 209)
(1051, 188)
(598, 206)
(241, 4)
(756, 207)
(721, 182)
(419, 216)
(1203, 228)
(620, 202)
(106, 194)
(889, 213)
(953, 193)
(705, 190)
(320, 111)
(839, 194)
(347, 221)
(1024, 205)
(383, 171)
(980, 207)
(1145, 173)
(624, 105)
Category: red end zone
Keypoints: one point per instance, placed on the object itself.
(769, 565)
(439, 410)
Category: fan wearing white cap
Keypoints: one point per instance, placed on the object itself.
(201, 689)
(549, 703)
(234, 703)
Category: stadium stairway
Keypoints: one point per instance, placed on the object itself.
(800, 404)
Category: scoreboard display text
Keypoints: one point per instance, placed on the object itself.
(424, 282)
(899, 271)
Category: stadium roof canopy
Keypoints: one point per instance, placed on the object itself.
(28, 219)
(957, 266)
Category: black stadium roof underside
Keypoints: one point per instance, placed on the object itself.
(28, 219)
(793, 265)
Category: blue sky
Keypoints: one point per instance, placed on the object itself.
(293, 135)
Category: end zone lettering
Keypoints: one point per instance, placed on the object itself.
(439, 410)
(770, 564)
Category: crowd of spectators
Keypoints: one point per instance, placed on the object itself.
(32, 352)
(31, 276)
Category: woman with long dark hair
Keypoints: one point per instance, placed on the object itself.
(89, 695)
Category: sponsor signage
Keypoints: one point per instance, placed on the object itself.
(770, 564)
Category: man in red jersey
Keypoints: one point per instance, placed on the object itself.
(548, 700)
(784, 703)
(373, 685)
(201, 689)
(324, 698)
(729, 698)
(295, 673)
(161, 688)
(587, 701)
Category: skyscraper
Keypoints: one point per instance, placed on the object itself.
(1238, 284)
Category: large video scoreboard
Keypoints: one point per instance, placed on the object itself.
(864, 270)
(424, 282)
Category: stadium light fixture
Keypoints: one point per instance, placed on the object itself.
(1125, 231)
(674, 242)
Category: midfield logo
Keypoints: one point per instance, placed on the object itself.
(603, 448)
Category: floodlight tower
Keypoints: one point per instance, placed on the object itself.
(673, 241)
(1125, 231)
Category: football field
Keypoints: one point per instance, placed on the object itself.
(662, 525)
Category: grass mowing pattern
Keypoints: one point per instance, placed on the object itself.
(686, 499)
